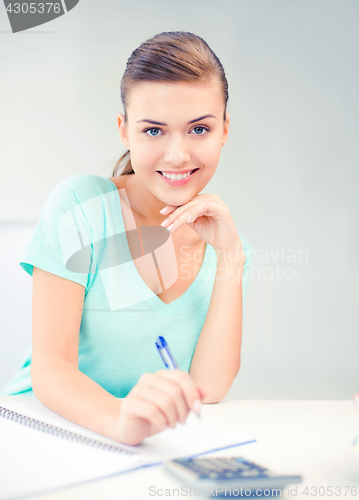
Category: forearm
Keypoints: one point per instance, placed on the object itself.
(67, 391)
(216, 359)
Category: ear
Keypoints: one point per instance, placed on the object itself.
(123, 130)
(226, 129)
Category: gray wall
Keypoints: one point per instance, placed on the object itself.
(288, 172)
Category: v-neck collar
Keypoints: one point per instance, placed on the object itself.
(154, 300)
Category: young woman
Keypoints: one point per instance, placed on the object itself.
(96, 319)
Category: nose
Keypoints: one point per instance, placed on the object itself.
(177, 151)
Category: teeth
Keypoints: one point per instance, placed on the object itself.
(176, 176)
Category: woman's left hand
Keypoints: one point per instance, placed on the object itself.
(210, 218)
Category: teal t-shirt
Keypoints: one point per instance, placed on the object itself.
(78, 237)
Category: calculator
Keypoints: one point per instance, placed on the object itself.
(229, 476)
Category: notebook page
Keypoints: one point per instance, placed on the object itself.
(31, 407)
(194, 438)
(191, 439)
(33, 462)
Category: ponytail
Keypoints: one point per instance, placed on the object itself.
(128, 167)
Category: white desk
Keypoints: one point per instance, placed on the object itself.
(310, 438)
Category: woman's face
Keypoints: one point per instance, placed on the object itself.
(169, 131)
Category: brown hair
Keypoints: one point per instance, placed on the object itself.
(172, 56)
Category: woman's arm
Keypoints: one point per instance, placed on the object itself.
(217, 356)
(157, 401)
(57, 382)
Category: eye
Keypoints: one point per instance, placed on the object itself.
(200, 128)
(152, 128)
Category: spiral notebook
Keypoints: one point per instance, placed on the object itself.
(41, 451)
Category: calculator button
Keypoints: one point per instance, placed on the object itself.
(238, 467)
(250, 473)
(212, 467)
(231, 465)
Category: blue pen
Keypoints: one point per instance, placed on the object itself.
(167, 357)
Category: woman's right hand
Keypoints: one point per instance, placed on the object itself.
(158, 401)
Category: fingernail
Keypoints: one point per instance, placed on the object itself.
(189, 218)
(173, 426)
(182, 422)
(197, 406)
(164, 222)
(170, 227)
(163, 210)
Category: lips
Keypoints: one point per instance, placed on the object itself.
(176, 173)
(178, 182)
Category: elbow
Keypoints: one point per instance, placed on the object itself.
(210, 401)
(220, 389)
(37, 381)
(219, 382)
(216, 396)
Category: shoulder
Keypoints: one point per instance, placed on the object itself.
(77, 189)
(85, 186)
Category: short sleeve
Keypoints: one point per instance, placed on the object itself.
(62, 243)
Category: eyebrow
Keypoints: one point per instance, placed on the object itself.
(165, 124)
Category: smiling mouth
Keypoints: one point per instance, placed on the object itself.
(169, 176)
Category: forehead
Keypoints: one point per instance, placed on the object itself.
(166, 99)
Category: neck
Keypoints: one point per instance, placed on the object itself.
(142, 201)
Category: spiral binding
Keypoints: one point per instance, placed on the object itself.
(53, 430)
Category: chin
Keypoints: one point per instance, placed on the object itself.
(179, 199)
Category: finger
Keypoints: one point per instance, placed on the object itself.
(174, 212)
(189, 216)
(168, 209)
(140, 419)
(200, 198)
(173, 391)
(185, 381)
(206, 207)
(164, 401)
